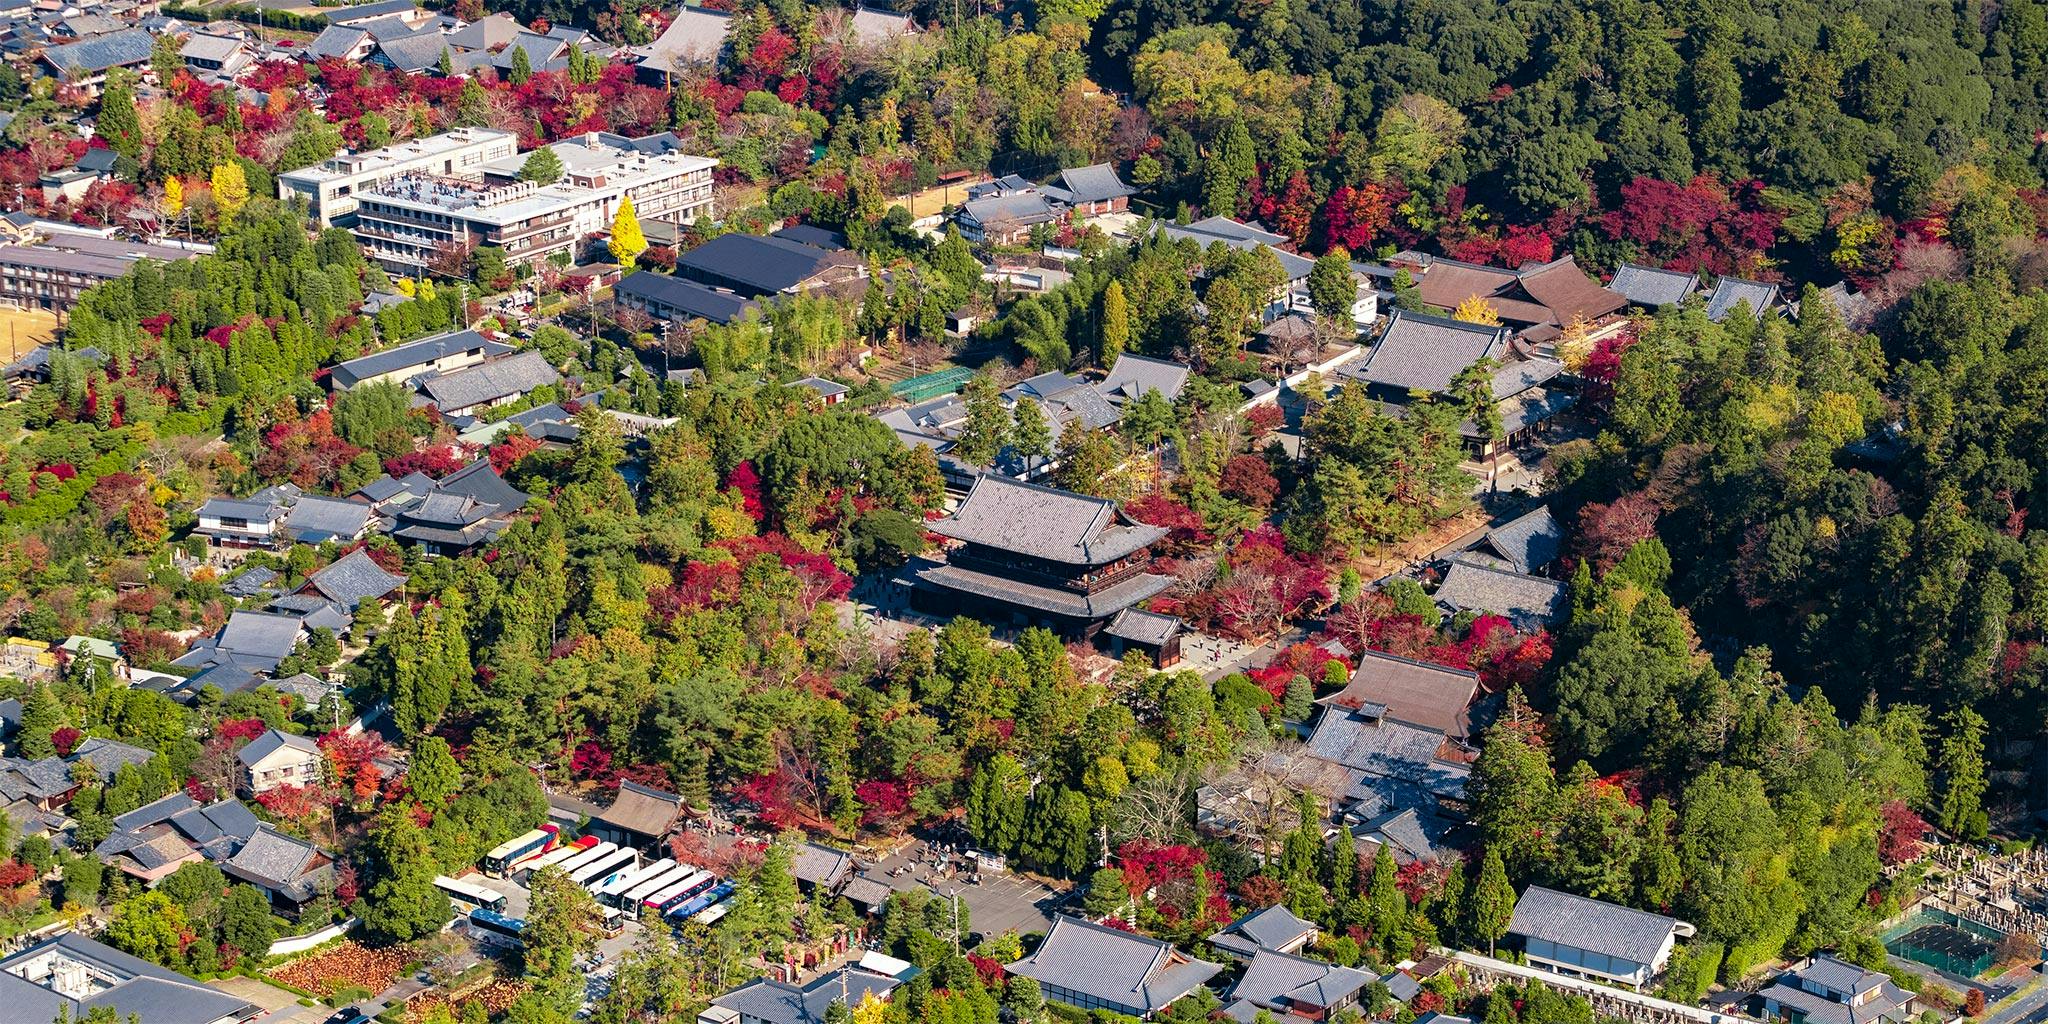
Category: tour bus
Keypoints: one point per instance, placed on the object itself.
(608, 895)
(587, 857)
(560, 854)
(711, 914)
(631, 899)
(700, 902)
(614, 920)
(694, 882)
(597, 872)
(686, 894)
(493, 926)
(505, 859)
(470, 896)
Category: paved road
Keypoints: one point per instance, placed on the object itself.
(2027, 1007)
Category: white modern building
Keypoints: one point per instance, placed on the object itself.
(406, 222)
(331, 186)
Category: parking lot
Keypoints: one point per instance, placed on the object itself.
(998, 903)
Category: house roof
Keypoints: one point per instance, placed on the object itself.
(1267, 928)
(1143, 627)
(775, 1002)
(92, 56)
(402, 357)
(1409, 834)
(315, 519)
(480, 480)
(336, 41)
(1651, 287)
(1284, 981)
(204, 46)
(279, 863)
(98, 160)
(261, 635)
(1117, 967)
(763, 263)
(820, 866)
(1100, 604)
(364, 12)
(1044, 522)
(694, 36)
(491, 31)
(108, 756)
(643, 810)
(1418, 352)
(1094, 183)
(1529, 602)
(354, 578)
(689, 297)
(1012, 210)
(824, 388)
(414, 52)
(272, 741)
(1387, 748)
(1636, 936)
(239, 508)
(1131, 376)
(490, 381)
(1551, 293)
(135, 986)
(251, 582)
(1730, 290)
(1838, 975)
(869, 25)
(1415, 692)
(1523, 544)
(1239, 235)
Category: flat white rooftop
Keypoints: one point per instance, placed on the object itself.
(402, 154)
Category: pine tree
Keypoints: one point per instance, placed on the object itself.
(119, 124)
(627, 241)
(1962, 768)
(41, 715)
(446, 65)
(542, 166)
(1116, 323)
(472, 107)
(1029, 433)
(230, 187)
(522, 67)
(1493, 900)
(987, 430)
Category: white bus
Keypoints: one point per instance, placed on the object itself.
(695, 881)
(559, 854)
(597, 872)
(505, 859)
(710, 915)
(470, 896)
(648, 886)
(588, 857)
(609, 893)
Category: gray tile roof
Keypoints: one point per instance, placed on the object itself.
(775, 1002)
(869, 25)
(493, 30)
(1525, 544)
(354, 578)
(314, 519)
(1651, 287)
(1409, 834)
(108, 756)
(1520, 375)
(202, 46)
(272, 741)
(1387, 748)
(1425, 353)
(1837, 975)
(1004, 213)
(279, 863)
(1284, 982)
(251, 582)
(1116, 967)
(480, 480)
(385, 30)
(756, 264)
(1730, 290)
(417, 52)
(1530, 602)
(1143, 627)
(402, 357)
(1237, 235)
(695, 36)
(140, 988)
(94, 56)
(820, 866)
(1044, 522)
(259, 635)
(539, 50)
(239, 508)
(335, 41)
(1268, 928)
(154, 812)
(1091, 184)
(1051, 600)
(364, 12)
(1132, 376)
(643, 810)
(1591, 925)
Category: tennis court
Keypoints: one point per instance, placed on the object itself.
(1944, 941)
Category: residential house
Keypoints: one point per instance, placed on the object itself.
(1275, 928)
(1539, 300)
(493, 382)
(1091, 966)
(217, 58)
(1131, 376)
(669, 298)
(1825, 989)
(1730, 292)
(1590, 938)
(1032, 554)
(317, 520)
(156, 839)
(353, 580)
(72, 977)
(85, 64)
(694, 38)
(1530, 602)
(1420, 353)
(463, 511)
(763, 1001)
(239, 523)
(277, 759)
(255, 641)
(640, 817)
(442, 353)
(1410, 834)
(1293, 987)
(757, 266)
(47, 784)
(340, 42)
(292, 872)
(1652, 287)
(1091, 191)
(96, 165)
(1526, 544)
(387, 494)
(829, 392)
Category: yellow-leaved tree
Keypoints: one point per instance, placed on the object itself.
(174, 196)
(1476, 310)
(230, 187)
(627, 240)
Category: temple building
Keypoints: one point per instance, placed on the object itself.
(1032, 555)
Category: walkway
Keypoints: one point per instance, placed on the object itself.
(1607, 1001)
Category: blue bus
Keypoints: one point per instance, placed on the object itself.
(686, 894)
(695, 905)
(497, 927)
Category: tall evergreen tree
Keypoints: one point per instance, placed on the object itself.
(1493, 900)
